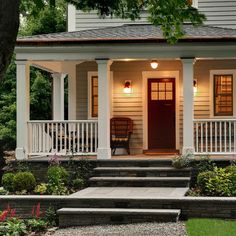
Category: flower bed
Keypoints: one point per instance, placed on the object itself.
(211, 180)
(38, 223)
(59, 180)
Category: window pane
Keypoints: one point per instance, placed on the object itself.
(154, 96)
(223, 95)
(94, 96)
(154, 86)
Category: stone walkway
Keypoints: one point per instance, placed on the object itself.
(130, 192)
(144, 229)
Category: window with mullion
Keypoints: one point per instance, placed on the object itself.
(94, 96)
(223, 95)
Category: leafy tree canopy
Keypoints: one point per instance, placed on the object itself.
(169, 14)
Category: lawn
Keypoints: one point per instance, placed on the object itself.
(210, 227)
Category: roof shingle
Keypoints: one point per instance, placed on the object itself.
(131, 32)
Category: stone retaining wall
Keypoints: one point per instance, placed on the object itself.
(207, 207)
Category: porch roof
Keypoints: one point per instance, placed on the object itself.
(129, 33)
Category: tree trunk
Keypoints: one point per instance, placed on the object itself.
(9, 25)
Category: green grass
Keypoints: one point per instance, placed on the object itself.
(211, 227)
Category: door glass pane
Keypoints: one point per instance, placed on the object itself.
(154, 86)
(161, 86)
(154, 96)
(162, 96)
(169, 96)
(169, 86)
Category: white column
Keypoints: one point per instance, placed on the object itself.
(58, 96)
(104, 149)
(188, 106)
(23, 109)
(72, 93)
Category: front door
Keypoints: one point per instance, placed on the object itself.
(161, 113)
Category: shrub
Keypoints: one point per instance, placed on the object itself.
(14, 226)
(7, 181)
(36, 225)
(78, 183)
(24, 181)
(182, 161)
(57, 174)
(216, 183)
(232, 169)
(205, 164)
(41, 188)
(57, 178)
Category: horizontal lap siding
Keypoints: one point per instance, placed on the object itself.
(91, 20)
(82, 88)
(131, 105)
(219, 12)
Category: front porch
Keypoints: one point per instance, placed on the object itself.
(184, 105)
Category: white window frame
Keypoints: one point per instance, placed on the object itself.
(222, 72)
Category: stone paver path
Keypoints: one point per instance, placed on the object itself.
(144, 229)
(130, 192)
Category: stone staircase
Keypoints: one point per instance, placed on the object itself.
(119, 177)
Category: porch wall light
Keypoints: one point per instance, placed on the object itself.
(154, 64)
(127, 86)
(195, 86)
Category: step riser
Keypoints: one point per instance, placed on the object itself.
(133, 173)
(93, 219)
(139, 183)
(135, 163)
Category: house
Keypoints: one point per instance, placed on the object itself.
(186, 104)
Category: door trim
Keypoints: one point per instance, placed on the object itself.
(160, 74)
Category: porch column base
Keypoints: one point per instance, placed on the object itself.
(20, 154)
(104, 153)
(188, 151)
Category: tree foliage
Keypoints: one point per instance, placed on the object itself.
(54, 20)
(170, 15)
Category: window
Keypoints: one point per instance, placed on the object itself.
(94, 96)
(223, 95)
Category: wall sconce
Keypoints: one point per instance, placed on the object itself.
(127, 86)
(194, 86)
(154, 64)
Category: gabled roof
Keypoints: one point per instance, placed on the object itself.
(130, 33)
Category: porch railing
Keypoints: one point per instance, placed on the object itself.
(215, 136)
(62, 137)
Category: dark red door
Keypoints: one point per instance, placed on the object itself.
(161, 113)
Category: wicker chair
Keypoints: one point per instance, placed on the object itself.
(121, 130)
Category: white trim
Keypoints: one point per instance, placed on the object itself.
(160, 74)
(195, 3)
(71, 18)
(222, 72)
(89, 77)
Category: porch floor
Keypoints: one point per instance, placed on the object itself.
(130, 192)
(130, 157)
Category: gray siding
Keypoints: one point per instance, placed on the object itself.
(91, 20)
(219, 12)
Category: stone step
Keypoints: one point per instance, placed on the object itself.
(141, 172)
(93, 216)
(139, 181)
(135, 162)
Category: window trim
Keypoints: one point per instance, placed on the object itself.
(89, 93)
(212, 92)
(91, 74)
(231, 94)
